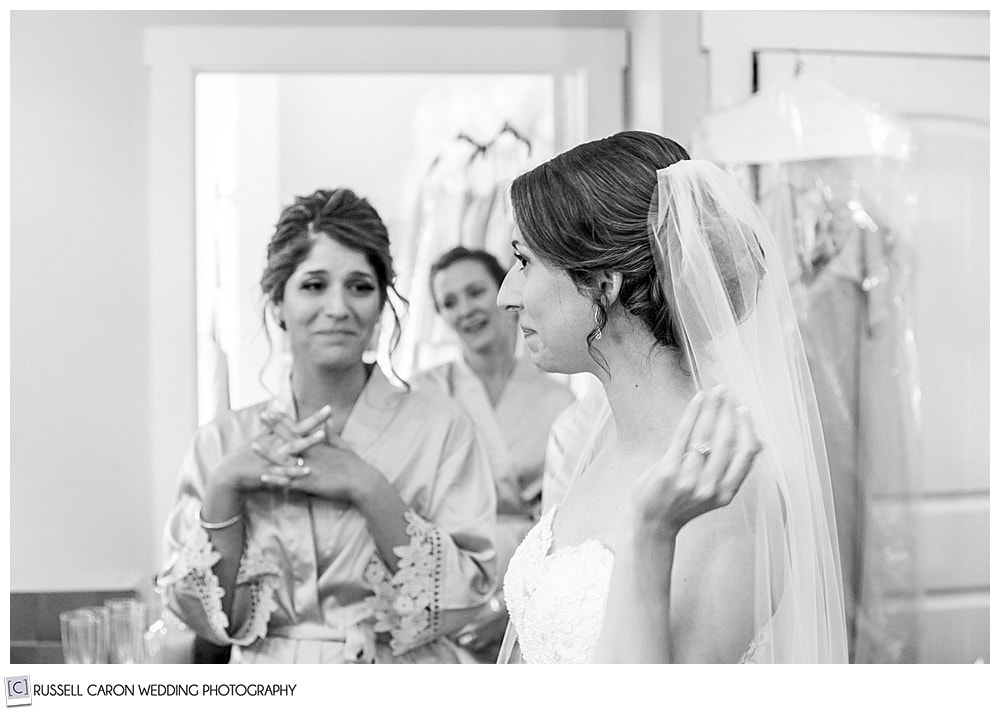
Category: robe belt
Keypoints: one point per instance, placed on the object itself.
(337, 625)
(511, 519)
(313, 630)
(358, 638)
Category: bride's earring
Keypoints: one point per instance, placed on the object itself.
(597, 320)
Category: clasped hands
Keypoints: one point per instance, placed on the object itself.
(304, 456)
(286, 442)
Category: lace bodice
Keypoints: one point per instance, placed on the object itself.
(556, 598)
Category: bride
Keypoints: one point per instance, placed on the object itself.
(694, 533)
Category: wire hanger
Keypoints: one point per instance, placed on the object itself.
(508, 128)
(480, 148)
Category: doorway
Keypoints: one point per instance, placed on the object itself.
(263, 139)
(586, 65)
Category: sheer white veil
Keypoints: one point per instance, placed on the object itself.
(721, 270)
(723, 277)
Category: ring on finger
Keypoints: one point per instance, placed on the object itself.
(702, 448)
(275, 480)
(300, 462)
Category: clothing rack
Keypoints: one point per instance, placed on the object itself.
(481, 149)
(508, 128)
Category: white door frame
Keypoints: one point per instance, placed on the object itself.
(732, 37)
(590, 62)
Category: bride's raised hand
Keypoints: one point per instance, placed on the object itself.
(709, 457)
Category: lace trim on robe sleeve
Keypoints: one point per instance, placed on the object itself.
(408, 604)
(192, 576)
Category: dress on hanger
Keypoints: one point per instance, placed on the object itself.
(462, 201)
(848, 275)
(828, 170)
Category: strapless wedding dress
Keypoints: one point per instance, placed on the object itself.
(556, 599)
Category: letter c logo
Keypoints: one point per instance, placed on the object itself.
(15, 691)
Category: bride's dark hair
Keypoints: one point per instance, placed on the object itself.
(588, 210)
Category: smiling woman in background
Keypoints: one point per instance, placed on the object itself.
(512, 403)
(348, 519)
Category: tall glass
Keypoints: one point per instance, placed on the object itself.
(82, 636)
(104, 642)
(128, 624)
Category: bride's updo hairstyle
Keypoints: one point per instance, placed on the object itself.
(588, 210)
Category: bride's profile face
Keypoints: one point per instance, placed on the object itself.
(553, 315)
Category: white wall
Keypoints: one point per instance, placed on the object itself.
(79, 364)
(81, 498)
(338, 144)
(668, 75)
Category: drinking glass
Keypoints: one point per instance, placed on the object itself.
(104, 642)
(128, 624)
(82, 636)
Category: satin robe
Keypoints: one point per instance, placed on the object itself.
(514, 435)
(580, 430)
(320, 592)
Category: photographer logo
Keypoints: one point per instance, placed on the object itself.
(18, 690)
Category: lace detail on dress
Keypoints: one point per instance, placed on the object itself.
(408, 604)
(749, 656)
(556, 600)
(759, 648)
(195, 561)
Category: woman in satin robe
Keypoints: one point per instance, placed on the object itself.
(582, 429)
(349, 519)
(511, 401)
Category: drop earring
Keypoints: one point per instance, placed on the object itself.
(597, 320)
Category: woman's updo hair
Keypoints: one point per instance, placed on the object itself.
(587, 210)
(345, 217)
(459, 254)
(339, 214)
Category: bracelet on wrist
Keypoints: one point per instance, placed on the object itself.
(221, 524)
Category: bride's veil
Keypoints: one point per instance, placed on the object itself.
(723, 277)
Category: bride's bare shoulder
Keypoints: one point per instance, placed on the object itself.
(713, 582)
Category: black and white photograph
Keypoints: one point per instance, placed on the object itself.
(494, 337)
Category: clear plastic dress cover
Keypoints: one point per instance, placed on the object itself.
(830, 173)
